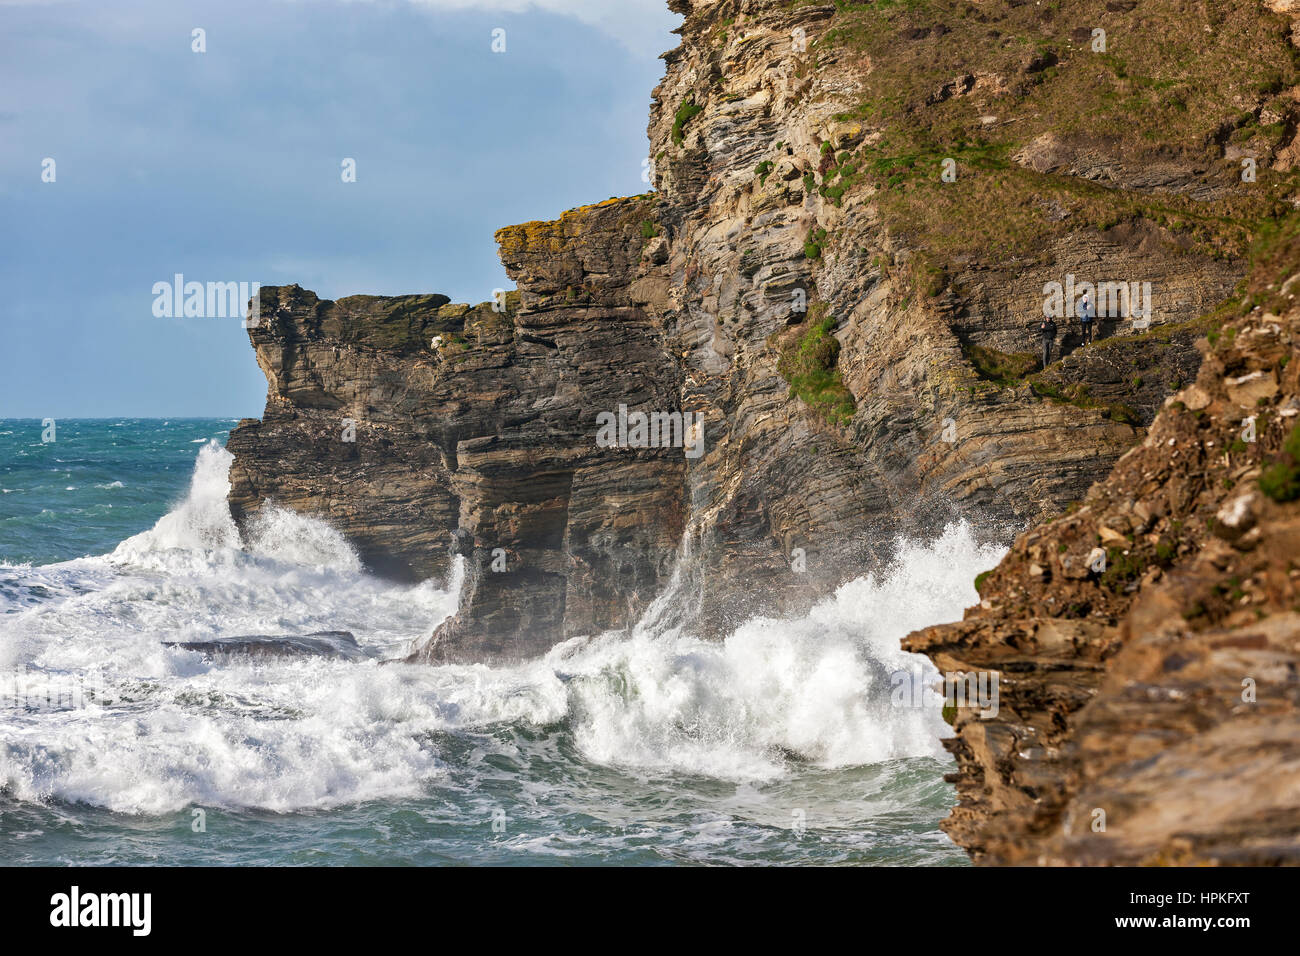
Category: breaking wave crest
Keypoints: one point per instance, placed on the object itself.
(165, 727)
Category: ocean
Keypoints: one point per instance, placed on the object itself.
(777, 745)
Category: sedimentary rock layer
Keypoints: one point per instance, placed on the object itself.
(1148, 643)
(483, 444)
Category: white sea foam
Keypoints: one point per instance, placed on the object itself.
(173, 727)
(817, 687)
(200, 524)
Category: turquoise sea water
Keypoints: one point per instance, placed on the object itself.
(778, 745)
(97, 483)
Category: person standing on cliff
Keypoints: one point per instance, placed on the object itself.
(1047, 329)
(1086, 315)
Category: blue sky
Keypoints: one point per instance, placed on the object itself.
(225, 166)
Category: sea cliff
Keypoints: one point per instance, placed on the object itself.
(857, 215)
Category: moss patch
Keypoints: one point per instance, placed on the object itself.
(685, 113)
(1281, 480)
(809, 361)
(1007, 369)
(814, 242)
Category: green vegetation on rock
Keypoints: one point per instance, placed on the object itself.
(1281, 480)
(1013, 370)
(1007, 369)
(809, 361)
(685, 113)
(813, 244)
(1167, 92)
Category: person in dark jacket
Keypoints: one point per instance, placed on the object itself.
(1086, 316)
(1047, 329)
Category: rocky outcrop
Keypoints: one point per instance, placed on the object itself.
(858, 210)
(340, 645)
(339, 437)
(1147, 644)
(484, 439)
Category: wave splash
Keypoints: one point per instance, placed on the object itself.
(169, 727)
(200, 531)
(814, 689)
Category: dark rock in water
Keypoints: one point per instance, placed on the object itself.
(338, 644)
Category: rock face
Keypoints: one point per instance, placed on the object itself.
(851, 239)
(1148, 644)
(487, 441)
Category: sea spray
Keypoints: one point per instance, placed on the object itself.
(814, 688)
(171, 729)
(200, 524)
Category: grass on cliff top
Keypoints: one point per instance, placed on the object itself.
(544, 235)
(1176, 82)
(809, 361)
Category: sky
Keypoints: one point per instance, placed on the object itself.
(227, 166)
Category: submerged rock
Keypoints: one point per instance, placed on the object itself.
(337, 644)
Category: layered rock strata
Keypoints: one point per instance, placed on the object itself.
(1147, 645)
(483, 443)
(853, 324)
